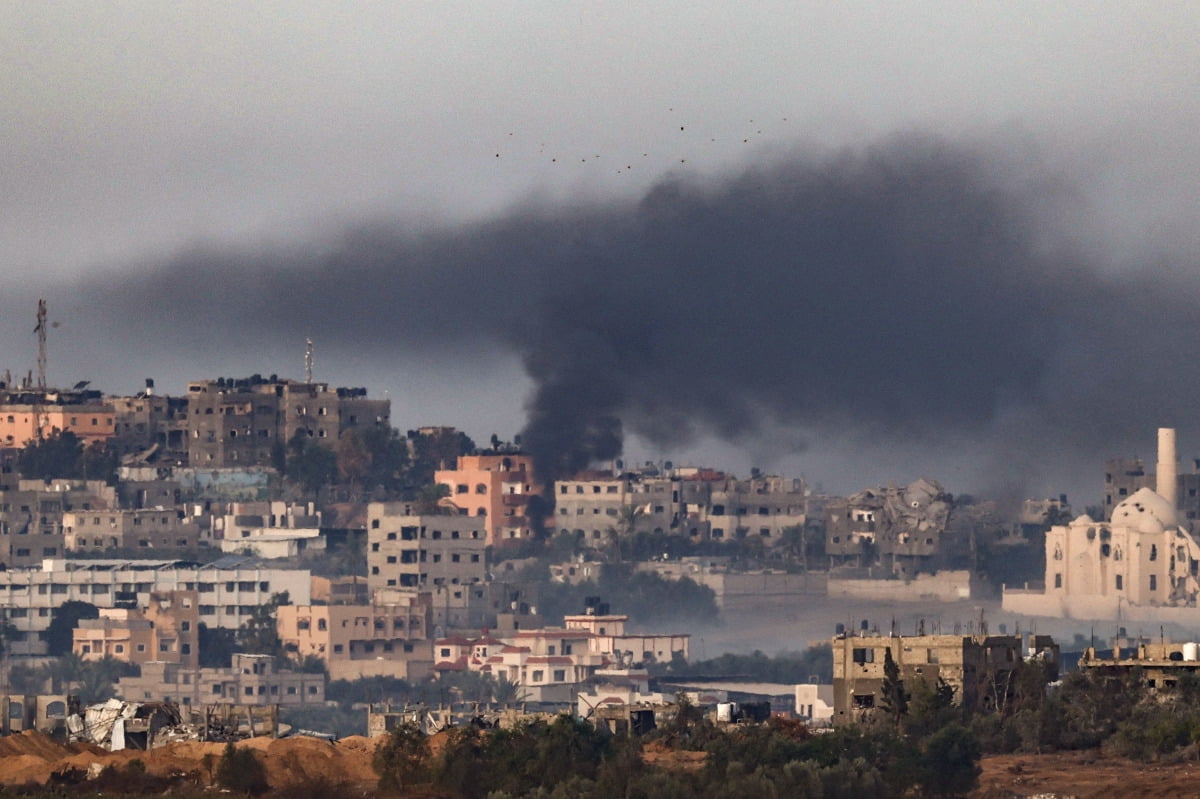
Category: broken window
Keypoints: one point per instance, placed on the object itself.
(863, 655)
(864, 701)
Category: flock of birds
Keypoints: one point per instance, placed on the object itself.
(628, 167)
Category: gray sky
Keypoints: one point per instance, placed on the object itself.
(136, 133)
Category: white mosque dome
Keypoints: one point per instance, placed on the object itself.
(1145, 511)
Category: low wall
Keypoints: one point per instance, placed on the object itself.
(752, 589)
(1094, 608)
(945, 586)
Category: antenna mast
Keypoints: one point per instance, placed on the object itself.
(308, 360)
(40, 330)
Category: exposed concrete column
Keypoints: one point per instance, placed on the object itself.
(1166, 480)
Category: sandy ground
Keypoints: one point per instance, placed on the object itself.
(1085, 775)
(33, 758)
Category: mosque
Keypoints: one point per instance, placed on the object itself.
(1140, 565)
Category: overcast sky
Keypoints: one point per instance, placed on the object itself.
(140, 139)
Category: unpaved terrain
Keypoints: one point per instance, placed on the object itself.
(32, 758)
(1085, 775)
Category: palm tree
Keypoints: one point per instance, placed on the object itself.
(507, 692)
(627, 521)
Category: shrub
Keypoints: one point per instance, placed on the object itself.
(241, 772)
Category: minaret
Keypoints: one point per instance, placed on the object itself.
(1166, 482)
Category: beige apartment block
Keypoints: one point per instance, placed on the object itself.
(166, 629)
(362, 640)
(250, 680)
(158, 528)
(420, 552)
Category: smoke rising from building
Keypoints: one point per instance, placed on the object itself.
(910, 291)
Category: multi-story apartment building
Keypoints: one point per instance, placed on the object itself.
(598, 504)
(358, 641)
(978, 667)
(229, 590)
(153, 425)
(420, 552)
(250, 680)
(31, 517)
(241, 422)
(724, 508)
(99, 530)
(700, 504)
(167, 630)
(497, 488)
(31, 413)
(902, 527)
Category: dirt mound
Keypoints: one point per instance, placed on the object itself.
(33, 758)
(40, 745)
(657, 753)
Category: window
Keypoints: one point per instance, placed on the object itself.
(864, 701)
(560, 675)
(1058, 579)
(1120, 582)
(864, 655)
(538, 675)
(1154, 582)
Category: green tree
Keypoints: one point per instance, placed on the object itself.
(216, 645)
(59, 454)
(309, 464)
(353, 459)
(428, 499)
(241, 772)
(951, 762)
(895, 698)
(403, 759)
(61, 631)
(258, 634)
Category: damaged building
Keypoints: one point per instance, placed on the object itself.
(903, 528)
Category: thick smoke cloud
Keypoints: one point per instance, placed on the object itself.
(909, 291)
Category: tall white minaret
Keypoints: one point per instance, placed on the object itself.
(1166, 483)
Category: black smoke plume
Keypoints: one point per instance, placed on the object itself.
(905, 292)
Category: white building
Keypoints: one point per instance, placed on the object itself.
(229, 590)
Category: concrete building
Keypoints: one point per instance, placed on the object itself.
(761, 507)
(250, 680)
(420, 552)
(980, 668)
(358, 641)
(167, 630)
(608, 635)
(241, 422)
(552, 664)
(270, 529)
(149, 426)
(29, 414)
(901, 528)
(496, 488)
(1160, 665)
(157, 528)
(229, 590)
